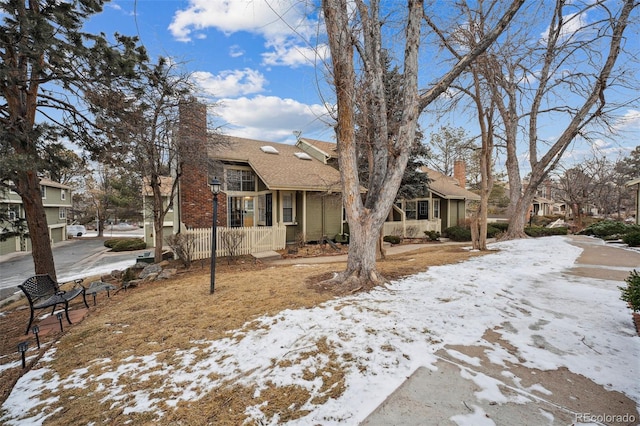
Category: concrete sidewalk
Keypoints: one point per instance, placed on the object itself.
(556, 397)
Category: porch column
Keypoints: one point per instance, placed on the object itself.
(304, 215)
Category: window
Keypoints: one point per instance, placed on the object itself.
(12, 213)
(62, 213)
(240, 180)
(288, 205)
(410, 210)
(436, 209)
(423, 209)
(43, 191)
(262, 209)
(63, 194)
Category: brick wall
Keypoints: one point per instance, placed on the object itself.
(196, 199)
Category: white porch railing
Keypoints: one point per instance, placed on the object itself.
(245, 240)
(411, 228)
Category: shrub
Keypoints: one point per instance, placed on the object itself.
(605, 228)
(126, 244)
(631, 293)
(112, 242)
(493, 231)
(501, 226)
(536, 231)
(393, 239)
(432, 235)
(342, 238)
(457, 233)
(632, 239)
(183, 245)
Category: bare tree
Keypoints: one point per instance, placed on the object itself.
(47, 62)
(141, 119)
(359, 30)
(570, 71)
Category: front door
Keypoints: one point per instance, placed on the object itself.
(423, 210)
(236, 211)
(268, 210)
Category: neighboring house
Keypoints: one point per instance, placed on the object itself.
(444, 206)
(264, 184)
(147, 209)
(57, 202)
(636, 183)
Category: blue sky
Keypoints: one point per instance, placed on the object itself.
(265, 71)
(260, 72)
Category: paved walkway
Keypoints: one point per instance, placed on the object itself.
(433, 397)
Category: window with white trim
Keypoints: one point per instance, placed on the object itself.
(436, 208)
(63, 194)
(62, 213)
(288, 203)
(410, 210)
(43, 191)
(240, 180)
(262, 209)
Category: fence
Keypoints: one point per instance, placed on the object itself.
(238, 241)
(411, 228)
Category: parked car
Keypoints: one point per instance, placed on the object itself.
(76, 230)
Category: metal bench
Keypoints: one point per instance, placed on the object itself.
(43, 292)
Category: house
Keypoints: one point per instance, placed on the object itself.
(147, 209)
(56, 198)
(636, 183)
(443, 207)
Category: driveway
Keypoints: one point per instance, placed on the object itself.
(74, 258)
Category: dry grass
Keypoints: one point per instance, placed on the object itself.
(177, 314)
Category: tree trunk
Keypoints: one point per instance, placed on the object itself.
(28, 186)
(158, 219)
(517, 220)
(361, 272)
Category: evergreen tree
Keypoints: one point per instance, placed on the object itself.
(48, 64)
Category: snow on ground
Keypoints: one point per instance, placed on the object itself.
(381, 337)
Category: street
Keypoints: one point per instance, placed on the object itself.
(75, 258)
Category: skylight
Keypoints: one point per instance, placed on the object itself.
(302, 155)
(269, 149)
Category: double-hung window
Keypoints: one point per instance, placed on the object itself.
(288, 207)
(241, 180)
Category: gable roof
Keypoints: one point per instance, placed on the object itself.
(441, 184)
(284, 170)
(447, 187)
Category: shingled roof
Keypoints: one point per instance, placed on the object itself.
(441, 184)
(284, 170)
(447, 187)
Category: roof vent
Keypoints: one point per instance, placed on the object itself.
(303, 156)
(269, 149)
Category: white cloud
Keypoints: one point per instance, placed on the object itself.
(282, 23)
(236, 51)
(630, 121)
(231, 82)
(271, 118)
(288, 54)
(573, 23)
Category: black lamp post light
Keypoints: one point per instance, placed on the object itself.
(215, 188)
(36, 330)
(22, 348)
(59, 316)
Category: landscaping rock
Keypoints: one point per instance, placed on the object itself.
(167, 273)
(150, 269)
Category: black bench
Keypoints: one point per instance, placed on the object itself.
(43, 292)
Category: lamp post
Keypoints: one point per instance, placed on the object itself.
(215, 188)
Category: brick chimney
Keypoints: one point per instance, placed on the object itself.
(196, 199)
(460, 172)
